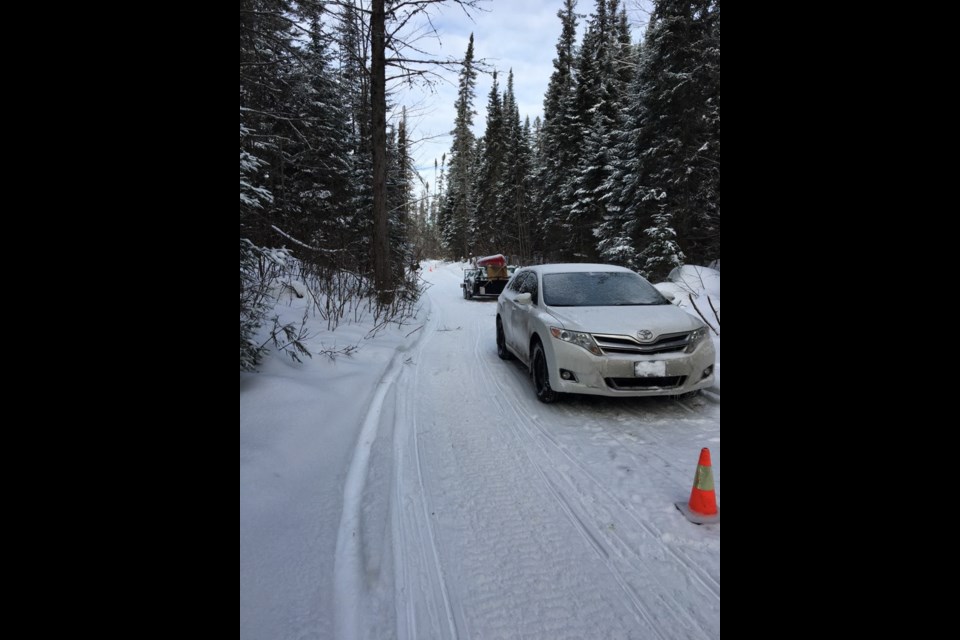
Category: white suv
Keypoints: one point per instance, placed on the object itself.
(602, 330)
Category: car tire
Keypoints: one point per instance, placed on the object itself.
(502, 352)
(541, 376)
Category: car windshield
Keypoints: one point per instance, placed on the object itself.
(598, 289)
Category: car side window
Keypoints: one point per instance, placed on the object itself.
(529, 285)
(517, 280)
(525, 283)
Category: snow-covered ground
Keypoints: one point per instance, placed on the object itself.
(419, 490)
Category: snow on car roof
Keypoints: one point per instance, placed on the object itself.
(576, 267)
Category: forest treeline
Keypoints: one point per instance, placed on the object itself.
(624, 166)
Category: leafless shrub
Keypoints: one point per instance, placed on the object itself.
(333, 352)
(716, 314)
(260, 269)
(335, 290)
(290, 338)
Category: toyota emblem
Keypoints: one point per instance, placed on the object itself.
(645, 335)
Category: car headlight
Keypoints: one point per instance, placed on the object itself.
(696, 337)
(578, 338)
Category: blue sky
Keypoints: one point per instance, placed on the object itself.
(517, 34)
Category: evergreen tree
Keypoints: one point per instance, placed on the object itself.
(403, 210)
(265, 39)
(703, 237)
(295, 166)
(356, 221)
(601, 92)
(558, 139)
(624, 52)
(680, 86)
(661, 253)
(666, 180)
(398, 200)
(406, 171)
(488, 219)
(619, 233)
(458, 200)
(514, 196)
(320, 171)
(533, 247)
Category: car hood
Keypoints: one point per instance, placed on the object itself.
(626, 320)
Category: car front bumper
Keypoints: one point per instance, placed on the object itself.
(618, 374)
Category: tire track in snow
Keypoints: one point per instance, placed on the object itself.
(499, 531)
(351, 599)
(649, 421)
(649, 416)
(705, 579)
(643, 416)
(588, 533)
(411, 519)
(702, 578)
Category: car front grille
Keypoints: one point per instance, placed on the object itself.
(667, 343)
(667, 382)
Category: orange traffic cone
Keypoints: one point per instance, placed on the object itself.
(702, 508)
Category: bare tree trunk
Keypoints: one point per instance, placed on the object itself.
(378, 107)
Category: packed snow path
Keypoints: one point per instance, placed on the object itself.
(420, 491)
(507, 518)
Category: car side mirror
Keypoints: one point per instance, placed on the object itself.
(668, 295)
(524, 298)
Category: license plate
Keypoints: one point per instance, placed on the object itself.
(650, 369)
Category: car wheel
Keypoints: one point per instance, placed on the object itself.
(502, 343)
(541, 376)
(464, 292)
(468, 293)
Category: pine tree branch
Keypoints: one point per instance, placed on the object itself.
(303, 244)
